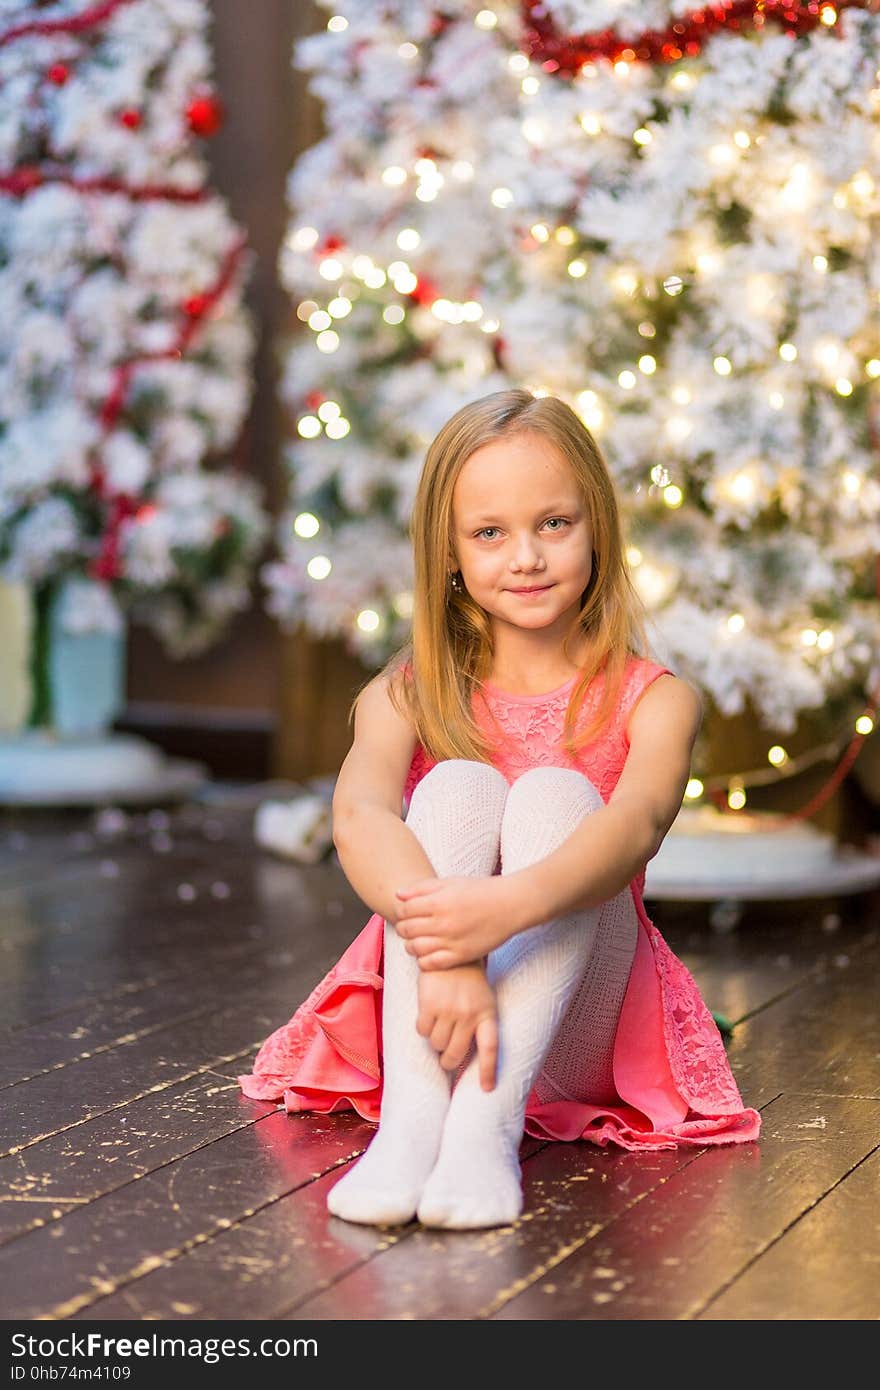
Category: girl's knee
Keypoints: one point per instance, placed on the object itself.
(459, 778)
(546, 788)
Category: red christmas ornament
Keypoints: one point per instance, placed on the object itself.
(330, 244)
(314, 399)
(195, 306)
(131, 118)
(58, 74)
(205, 115)
(425, 291)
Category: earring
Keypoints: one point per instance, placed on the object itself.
(455, 581)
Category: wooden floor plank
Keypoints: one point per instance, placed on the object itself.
(826, 1266)
(67, 1266)
(570, 1191)
(695, 1233)
(778, 1047)
(55, 1100)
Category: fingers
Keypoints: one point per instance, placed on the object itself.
(487, 1051)
(457, 1047)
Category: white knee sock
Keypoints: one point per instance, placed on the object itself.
(476, 1180)
(455, 813)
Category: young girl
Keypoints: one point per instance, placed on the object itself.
(509, 977)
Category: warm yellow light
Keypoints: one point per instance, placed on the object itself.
(776, 399)
(502, 197)
(338, 429)
(394, 314)
(305, 310)
(304, 238)
(736, 798)
(642, 136)
(678, 429)
(647, 330)
(485, 19)
(648, 364)
(633, 555)
(673, 496)
(577, 269)
(530, 85)
(318, 567)
(329, 410)
(518, 62)
(540, 231)
(319, 319)
(590, 123)
(337, 23)
(328, 341)
(722, 156)
(308, 426)
(394, 176)
(873, 367)
(864, 724)
(788, 352)
(736, 622)
(825, 640)
(777, 755)
(408, 239)
(682, 81)
(722, 366)
(742, 486)
(693, 789)
(565, 236)
(681, 395)
(843, 386)
(330, 268)
(368, 620)
(408, 51)
(625, 281)
(621, 69)
(627, 380)
(742, 139)
(306, 525)
(673, 285)
(852, 483)
(828, 15)
(820, 263)
(340, 307)
(809, 637)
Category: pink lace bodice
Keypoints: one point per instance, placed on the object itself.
(527, 731)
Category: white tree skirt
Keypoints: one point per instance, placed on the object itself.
(754, 855)
(38, 768)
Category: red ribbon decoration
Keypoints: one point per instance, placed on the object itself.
(683, 38)
(73, 24)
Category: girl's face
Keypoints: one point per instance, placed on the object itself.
(519, 521)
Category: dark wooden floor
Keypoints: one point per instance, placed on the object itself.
(142, 966)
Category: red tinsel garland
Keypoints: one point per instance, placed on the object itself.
(684, 37)
(30, 176)
(72, 24)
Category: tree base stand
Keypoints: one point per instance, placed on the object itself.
(41, 768)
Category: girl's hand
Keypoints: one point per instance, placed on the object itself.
(455, 921)
(456, 1007)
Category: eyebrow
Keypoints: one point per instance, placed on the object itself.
(549, 510)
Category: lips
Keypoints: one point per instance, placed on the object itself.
(535, 589)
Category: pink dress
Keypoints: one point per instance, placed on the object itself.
(671, 1072)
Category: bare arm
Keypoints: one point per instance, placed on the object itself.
(612, 845)
(378, 853)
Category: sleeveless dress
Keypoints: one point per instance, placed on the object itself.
(671, 1072)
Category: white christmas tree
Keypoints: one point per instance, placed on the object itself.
(125, 352)
(666, 216)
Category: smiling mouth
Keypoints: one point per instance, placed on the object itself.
(533, 589)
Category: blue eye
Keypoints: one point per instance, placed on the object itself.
(563, 519)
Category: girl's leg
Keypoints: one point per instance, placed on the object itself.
(455, 813)
(579, 1065)
(476, 1181)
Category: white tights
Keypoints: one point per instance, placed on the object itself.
(451, 1154)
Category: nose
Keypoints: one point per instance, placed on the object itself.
(527, 557)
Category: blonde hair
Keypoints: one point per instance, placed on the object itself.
(451, 646)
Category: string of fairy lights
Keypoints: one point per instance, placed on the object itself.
(346, 271)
